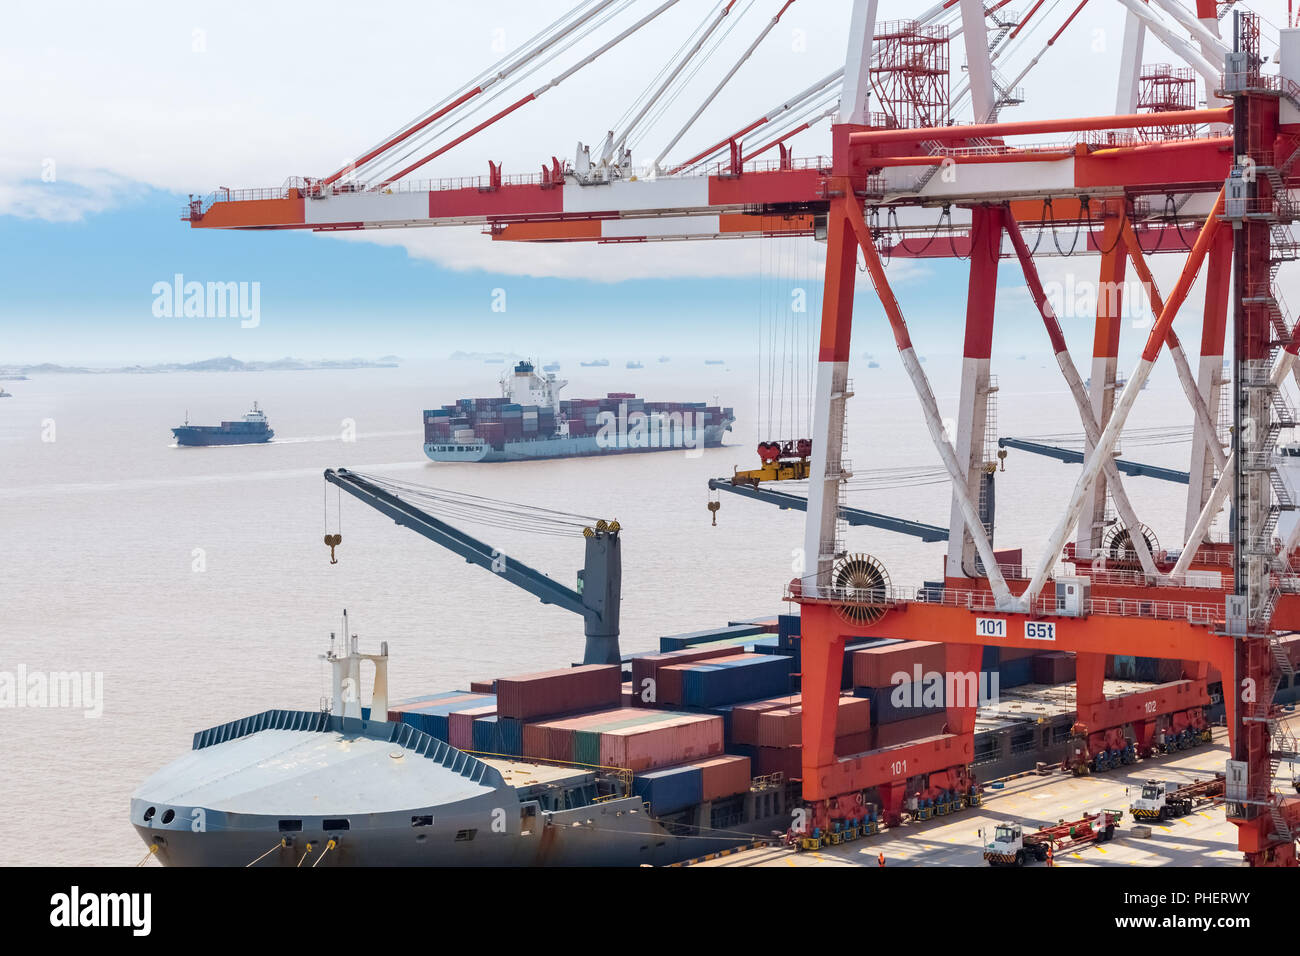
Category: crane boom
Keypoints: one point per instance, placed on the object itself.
(599, 593)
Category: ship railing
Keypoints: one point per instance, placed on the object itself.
(984, 600)
(1189, 579)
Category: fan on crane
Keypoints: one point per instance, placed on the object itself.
(1117, 546)
(867, 585)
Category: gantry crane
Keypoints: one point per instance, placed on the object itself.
(915, 169)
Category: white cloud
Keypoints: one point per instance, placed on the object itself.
(186, 97)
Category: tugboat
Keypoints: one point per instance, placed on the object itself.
(251, 430)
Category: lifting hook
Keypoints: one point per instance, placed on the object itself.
(333, 541)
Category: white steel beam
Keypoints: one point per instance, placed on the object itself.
(1209, 72)
(978, 64)
(1130, 65)
(855, 102)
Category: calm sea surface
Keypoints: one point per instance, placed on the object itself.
(196, 582)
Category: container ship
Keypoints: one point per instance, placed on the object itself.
(530, 421)
(674, 753)
(249, 430)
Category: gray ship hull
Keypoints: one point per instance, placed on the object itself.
(278, 787)
(583, 446)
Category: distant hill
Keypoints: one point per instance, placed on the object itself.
(226, 363)
(483, 356)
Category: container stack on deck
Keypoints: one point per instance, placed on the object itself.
(496, 421)
(697, 720)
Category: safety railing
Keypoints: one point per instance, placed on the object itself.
(984, 600)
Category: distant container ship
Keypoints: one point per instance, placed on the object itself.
(530, 421)
(252, 429)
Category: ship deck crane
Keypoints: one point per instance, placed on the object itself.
(600, 582)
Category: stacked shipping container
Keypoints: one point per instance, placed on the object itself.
(496, 421)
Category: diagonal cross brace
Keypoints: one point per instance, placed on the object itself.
(1106, 444)
(929, 406)
(1071, 374)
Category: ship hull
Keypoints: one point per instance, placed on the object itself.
(198, 436)
(388, 795)
(562, 447)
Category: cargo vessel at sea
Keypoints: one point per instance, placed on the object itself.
(529, 421)
(252, 429)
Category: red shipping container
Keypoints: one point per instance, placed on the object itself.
(649, 666)
(783, 727)
(483, 686)
(589, 687)
(789, 760)
(668, 681)
(744, 717)
(1054, 668)
(783, 760)
(852, 744)
(460, 726)
(548, 742)
(724, 776)
(662, 744)
(876, 666)
(906, 731)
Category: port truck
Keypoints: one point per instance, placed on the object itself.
(1162, 800)
(1011, 846)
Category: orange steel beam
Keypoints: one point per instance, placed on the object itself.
(822, 655)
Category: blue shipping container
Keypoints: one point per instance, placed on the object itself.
(787, 627)
(722, 682)
(487, 737)
(510, 730)
(433, 719)
(1015, 673)
(671, 789)
(676, 642)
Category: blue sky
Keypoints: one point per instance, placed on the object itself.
(136, 111)
(82, 291)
